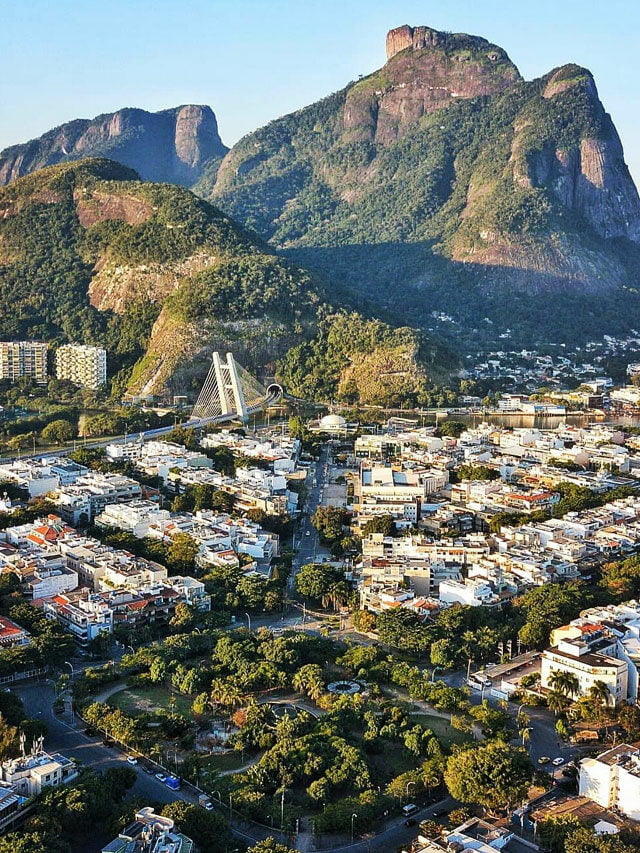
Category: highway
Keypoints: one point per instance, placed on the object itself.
(146, 435)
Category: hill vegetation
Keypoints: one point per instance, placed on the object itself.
(158, 276)
(355, 360)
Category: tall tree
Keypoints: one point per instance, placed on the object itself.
(495, 775)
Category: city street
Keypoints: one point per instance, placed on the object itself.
(306, 540)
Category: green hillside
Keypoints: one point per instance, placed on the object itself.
(161, 278)
(473, 203)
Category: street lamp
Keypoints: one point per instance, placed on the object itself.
(248, 621)
(70, 665)
(433, 672)
(406, 789)
(282, 810)
(353, 817)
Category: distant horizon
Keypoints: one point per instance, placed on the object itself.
(252, 65)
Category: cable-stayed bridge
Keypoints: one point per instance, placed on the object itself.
(230, 393)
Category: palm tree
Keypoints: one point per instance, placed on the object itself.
(556, 701)
(565, 683)
(224, 692)
(599, 692)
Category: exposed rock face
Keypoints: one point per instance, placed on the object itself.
(416, 38)
(426, 71)
(172, 145)
(443, 155)
(591, 177)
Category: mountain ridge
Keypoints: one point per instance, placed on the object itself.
(171, 145)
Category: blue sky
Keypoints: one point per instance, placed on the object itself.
(254, 60)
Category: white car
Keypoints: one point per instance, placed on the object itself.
(131, 759)
(308, 533)
(558, 761)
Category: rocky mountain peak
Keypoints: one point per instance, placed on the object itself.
(426, 70)
(170, 146)
(416, 38)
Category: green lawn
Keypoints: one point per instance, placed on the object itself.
(226, 761)
(137, 700)
(441, 729)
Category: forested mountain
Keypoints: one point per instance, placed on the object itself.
(172, 145)
(90, 253)
(446, 184)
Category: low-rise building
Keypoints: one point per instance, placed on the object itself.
(40, 476)
(12, 635)
(135, 517)
(150, 833)
(475, 835)
(29, 774)
(80, 502)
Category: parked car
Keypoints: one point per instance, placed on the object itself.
(411, 822)
(544, 759)
(161, 777)
(558, 761)
(131, 759)
(440, 812)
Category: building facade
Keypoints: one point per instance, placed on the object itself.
(83, 365)
(23, 358)
(613, 779)
(590, 660)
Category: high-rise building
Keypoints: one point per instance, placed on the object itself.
(84, 365)
(23, 358)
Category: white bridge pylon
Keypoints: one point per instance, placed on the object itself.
(230, 392)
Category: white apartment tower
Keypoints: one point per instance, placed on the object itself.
(84, 365)
(23, 358)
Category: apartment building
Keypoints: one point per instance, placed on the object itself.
(136, 517)
(117, 587)
(85, 615)
(252, 489)
(612, 779)
(281, 453)
(83, 365)
(40, 476)
(81, 501)
(399, 491)
(476, 836)
(473, 592)
(20, 359)
(590, 658)
(158, 458)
